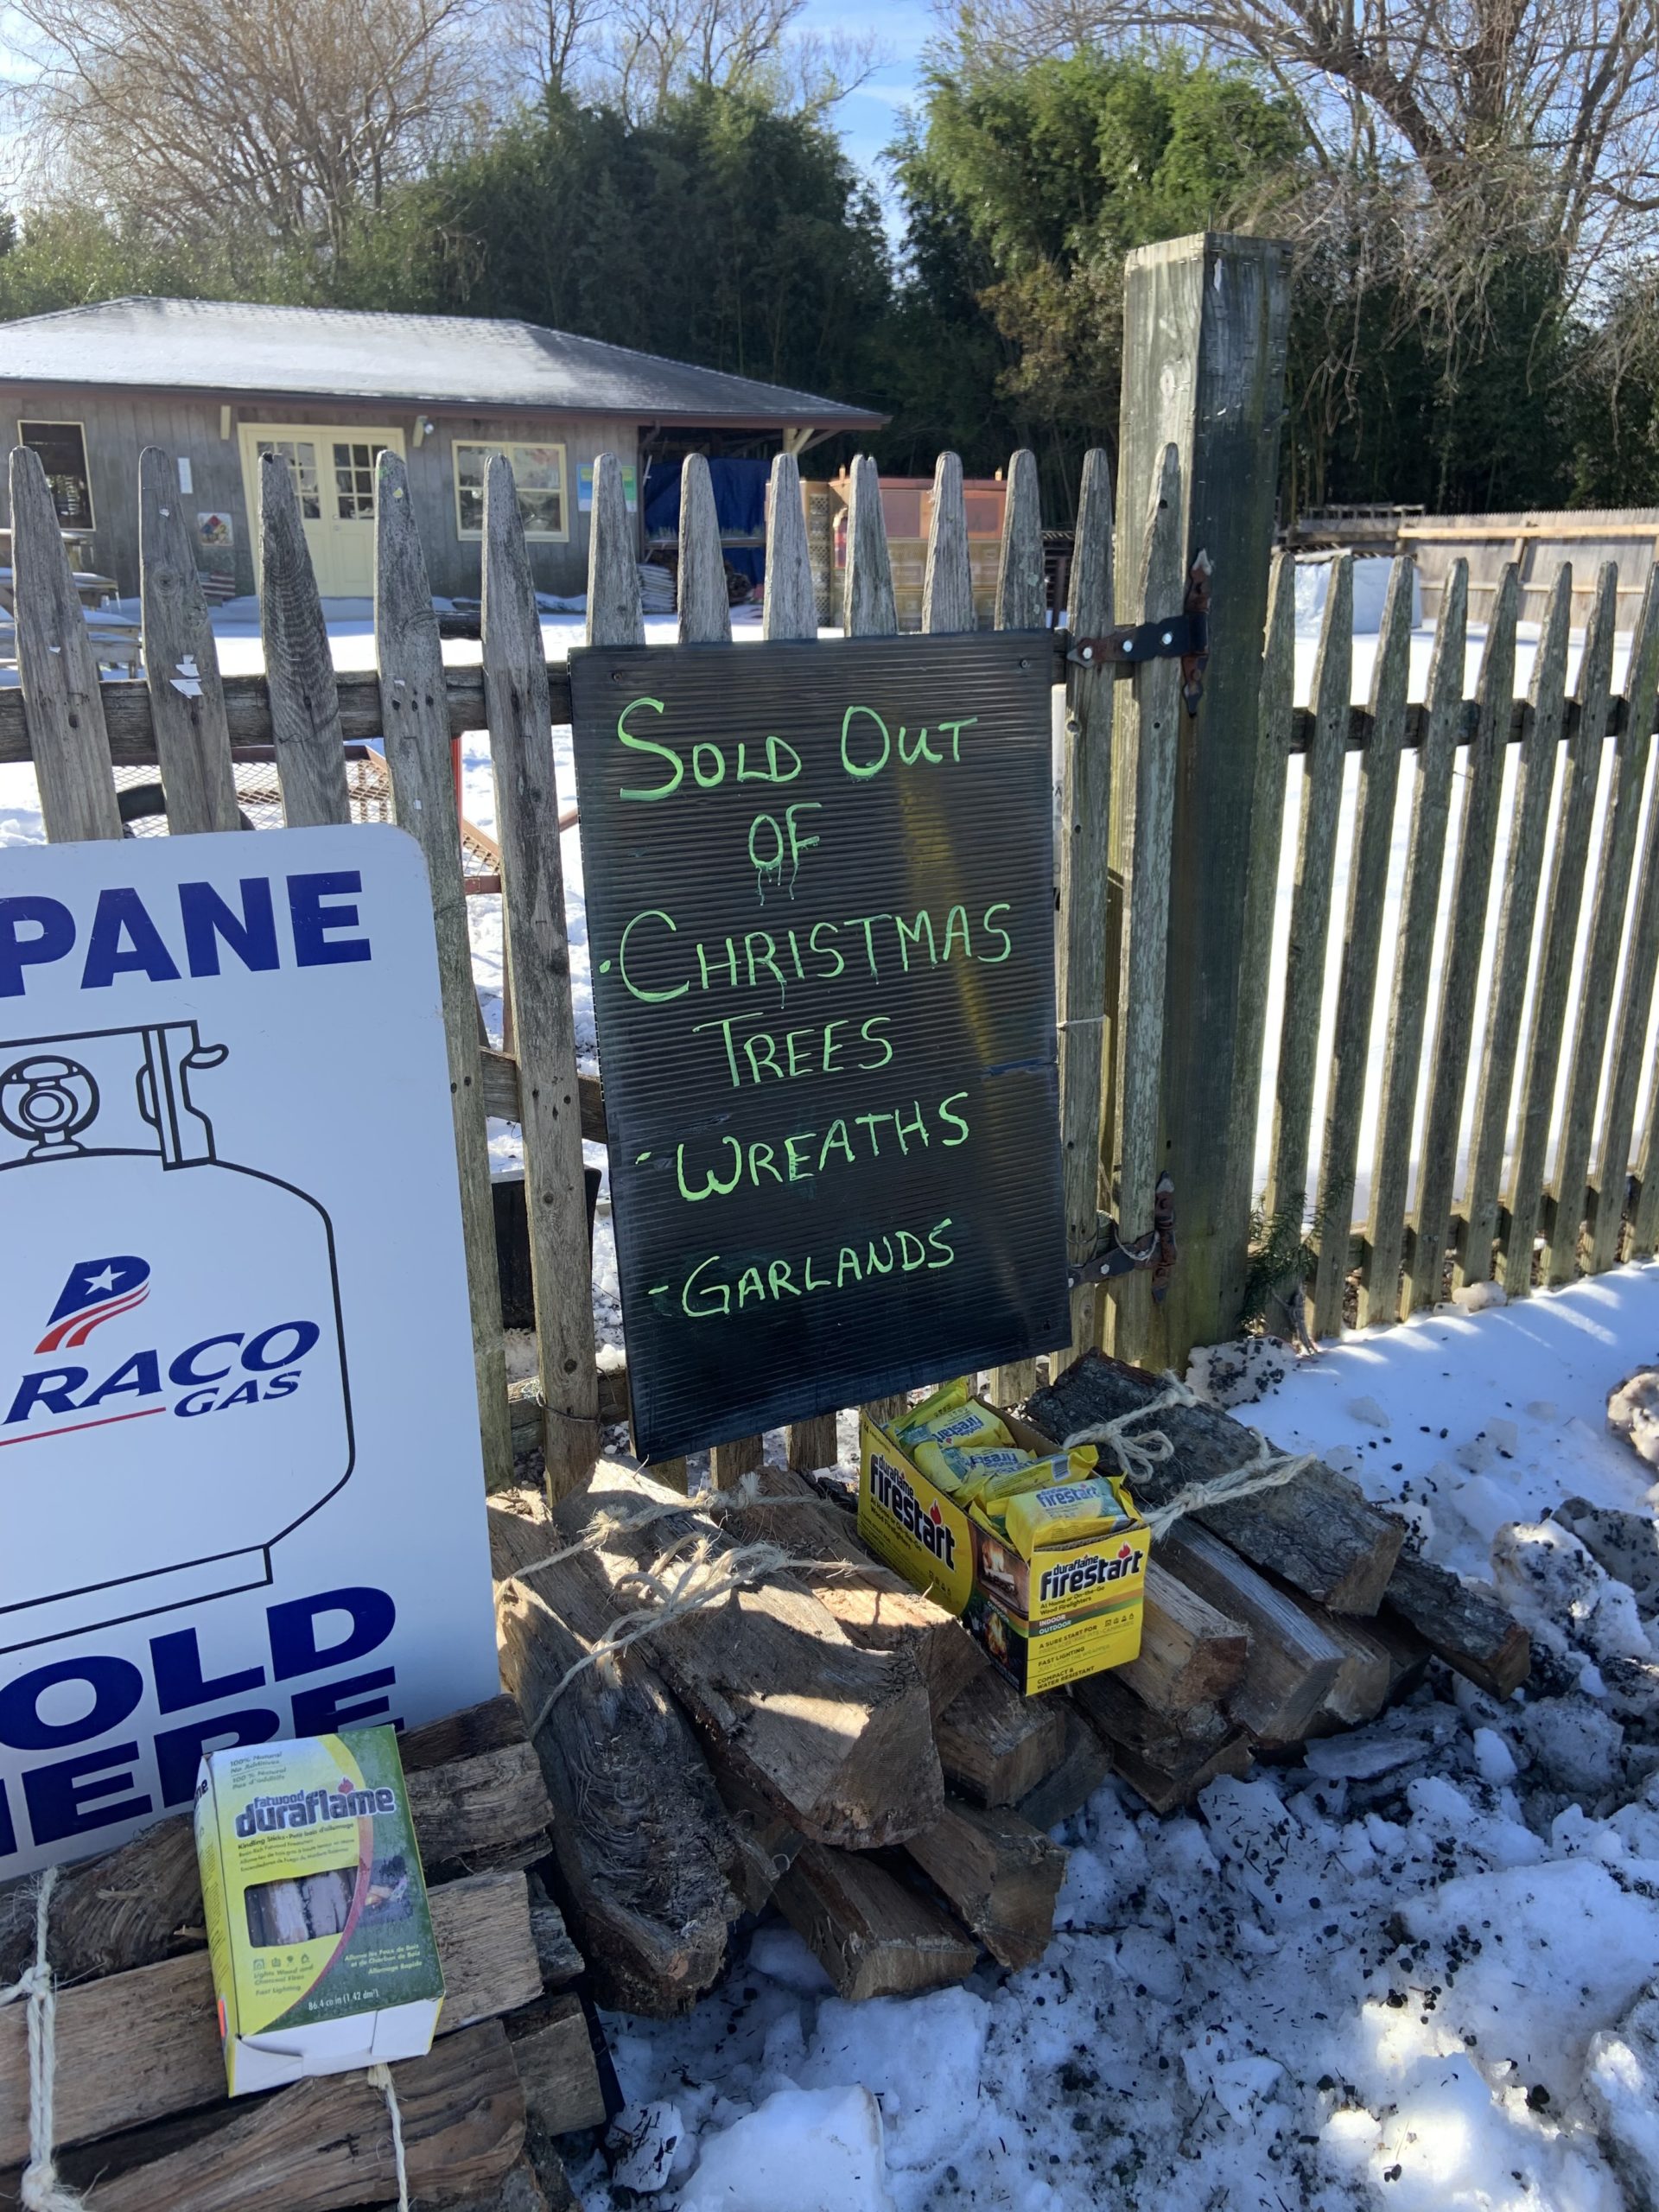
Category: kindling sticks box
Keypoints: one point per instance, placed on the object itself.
(1049, 1605)
(322, 1950)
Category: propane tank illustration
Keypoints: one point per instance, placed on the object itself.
(172, 1389)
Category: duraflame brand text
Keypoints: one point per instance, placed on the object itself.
(317, 1922)
(308, 1809)
(1052, 1584)
(907, 1520)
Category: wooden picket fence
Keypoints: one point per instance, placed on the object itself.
(1554, 1081)
(184, 716)
(1576, 1175)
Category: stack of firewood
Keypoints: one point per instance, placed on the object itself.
(827, 1740)
(831, 1743)
(822, 1739)
(1290, 1614)
(141, 2115)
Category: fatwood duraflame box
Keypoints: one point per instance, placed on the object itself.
(317, 1922)
(1074, 1608)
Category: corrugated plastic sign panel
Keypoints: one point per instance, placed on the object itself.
(821, 922)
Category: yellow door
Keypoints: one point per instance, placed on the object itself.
(333, 475)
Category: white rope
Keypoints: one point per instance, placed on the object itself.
(380, 2078)
(604, 1526)
(40, 2189)
(1137, 1456)
(707, 1578)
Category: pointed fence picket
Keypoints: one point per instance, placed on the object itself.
(416, 740)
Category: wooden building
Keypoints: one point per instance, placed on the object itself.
(218, 382)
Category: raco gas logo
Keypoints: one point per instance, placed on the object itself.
(96, 1292)
(234, 1367)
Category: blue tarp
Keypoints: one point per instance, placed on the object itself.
(740, 488)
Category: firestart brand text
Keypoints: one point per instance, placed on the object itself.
(926, 1526)
(1076, 1578)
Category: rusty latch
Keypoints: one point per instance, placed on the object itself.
(1155, 1250)
(1184, 637)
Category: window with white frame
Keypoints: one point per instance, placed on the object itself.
(538, 472)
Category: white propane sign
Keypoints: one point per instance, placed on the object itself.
(241, 1489)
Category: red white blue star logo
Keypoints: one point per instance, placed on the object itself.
(96, 1292)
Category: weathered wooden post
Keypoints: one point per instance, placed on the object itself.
(1206, 324)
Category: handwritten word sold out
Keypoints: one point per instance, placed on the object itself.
(867, 746)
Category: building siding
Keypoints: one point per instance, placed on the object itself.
(119, 425)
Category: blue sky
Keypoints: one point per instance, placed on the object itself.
(867, 118)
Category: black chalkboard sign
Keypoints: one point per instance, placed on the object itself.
(821, 925)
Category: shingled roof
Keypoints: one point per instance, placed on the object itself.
(221, 346)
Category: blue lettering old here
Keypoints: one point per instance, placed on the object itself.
(308, 920)
(92, 1763)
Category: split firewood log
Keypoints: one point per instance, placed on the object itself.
(325, 2144)
(838, 1737)
(475, 1796)
(144, 2045)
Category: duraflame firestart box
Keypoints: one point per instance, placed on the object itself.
(317, 1922)
(1049, 1605)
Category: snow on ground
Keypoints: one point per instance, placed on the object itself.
(1392, 1976)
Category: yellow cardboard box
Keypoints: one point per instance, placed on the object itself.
(1074, 1608)
(318, 1928)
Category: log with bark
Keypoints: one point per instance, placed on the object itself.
(1125, 1723)
(553, 2053)
(475, 1796)
(519, 2189)
(1166, 1757)
(1167, 1790)
(557, 1955)
(838, 1737)
(1462, 1625)
(1317, 1532)
(766, 1839)
(1082, 1768)
(996, 1745)
(644, 1851)
(324, 2144)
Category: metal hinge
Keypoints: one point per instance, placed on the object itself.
(1155, 1250)
(1184, 637)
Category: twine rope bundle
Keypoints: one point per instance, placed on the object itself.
(706, 1577)
(379, 2077)
(1138, 1455)
(40, 2189)
(604, 1526)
